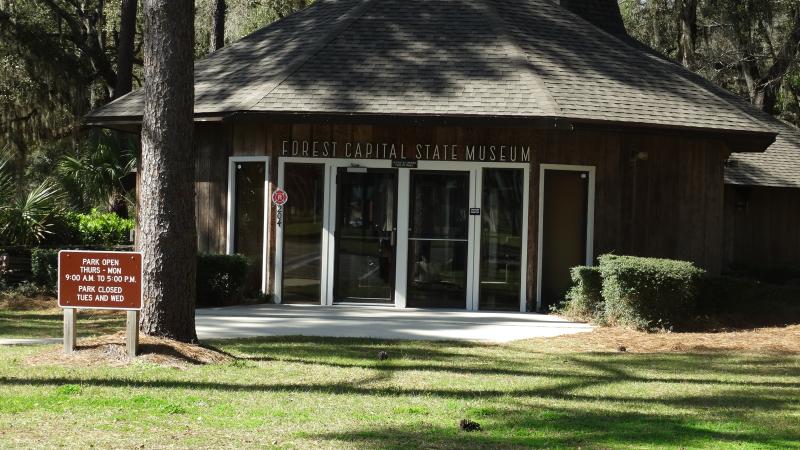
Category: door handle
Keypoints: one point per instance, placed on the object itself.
(393, 238)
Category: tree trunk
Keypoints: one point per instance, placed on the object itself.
(688, 20)
(127, 34)
(20, 162)
(118, 205)
(218, 25)
(168, 234)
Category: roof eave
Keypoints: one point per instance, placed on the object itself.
(740, 141)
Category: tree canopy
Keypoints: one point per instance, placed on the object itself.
(747, 46)
(61, 58)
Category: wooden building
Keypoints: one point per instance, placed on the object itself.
(453, 153)
(762, 206)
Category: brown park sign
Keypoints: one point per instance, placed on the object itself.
(99, 280)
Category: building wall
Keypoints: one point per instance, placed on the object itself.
(762, 226)
(658, 196)
(213, 147)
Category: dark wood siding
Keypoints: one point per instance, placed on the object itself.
(212, 149)
(762, 226)
(658, 196)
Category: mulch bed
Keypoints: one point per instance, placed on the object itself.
(780, 340)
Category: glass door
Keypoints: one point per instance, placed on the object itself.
(365, 235)
(501, 238)
(302, 236)
(438, 239)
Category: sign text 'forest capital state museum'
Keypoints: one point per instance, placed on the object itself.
(420, 152)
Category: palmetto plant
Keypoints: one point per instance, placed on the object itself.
(26, 218)
(6, 184)
(96, 174)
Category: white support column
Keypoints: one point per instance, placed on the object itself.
(328, 239)
(70, 337)
(132, 334)
(278, 269)
(523, 294)
(401, 246)
(473, 266)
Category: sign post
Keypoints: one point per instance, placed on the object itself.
(100, 280)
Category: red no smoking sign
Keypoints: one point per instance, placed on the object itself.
(280, 197)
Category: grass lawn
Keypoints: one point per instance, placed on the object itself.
(335, 393)
(42, 318)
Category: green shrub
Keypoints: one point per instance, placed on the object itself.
(28, 289)
(649, 293)
(584, 300)
(44, 268)
(97, 228)
(221, 279)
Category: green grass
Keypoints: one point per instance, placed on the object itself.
(334, 393)
(49, 323)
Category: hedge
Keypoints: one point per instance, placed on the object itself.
(584, 301)
(649, 293)
(44, 267)
(221, 279)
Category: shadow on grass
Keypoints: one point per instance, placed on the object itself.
(477, 358)
(515, 428)
(49, 324)
(601, 399)
(568, 381)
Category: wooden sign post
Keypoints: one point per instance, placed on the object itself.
(100, 280)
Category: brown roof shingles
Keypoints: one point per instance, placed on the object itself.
(779, 166)
(515, 58)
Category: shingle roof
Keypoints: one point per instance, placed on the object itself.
(779, 166)
(499, 58)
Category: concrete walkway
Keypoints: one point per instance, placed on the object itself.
(378, 322)
(367, 322)
(31, 341)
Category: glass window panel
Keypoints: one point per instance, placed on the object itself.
(248, 234)
(302, 232)
(439, 205)
(501, 239)
(437, 274)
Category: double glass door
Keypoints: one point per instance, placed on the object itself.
(439, 236)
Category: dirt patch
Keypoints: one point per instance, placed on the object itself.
(783, 340)
(110, 351)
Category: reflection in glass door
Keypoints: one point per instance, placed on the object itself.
(302, 236)
(248, 219)
(502, 209)
(365, 235)
(438, 244)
